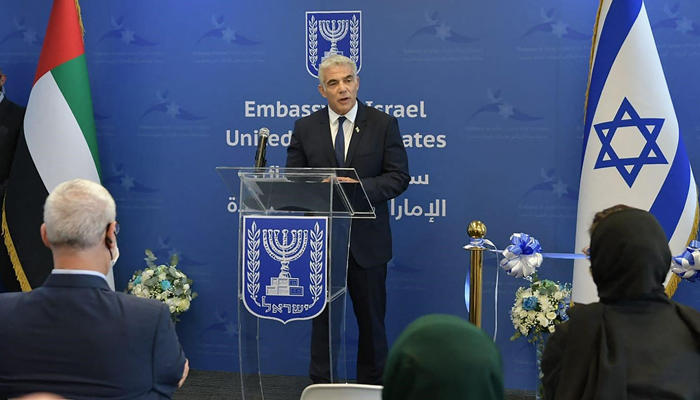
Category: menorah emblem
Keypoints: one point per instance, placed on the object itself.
(291, 247)
(333, 31)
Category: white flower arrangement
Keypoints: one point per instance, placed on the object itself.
(165, 283)
(539, 308)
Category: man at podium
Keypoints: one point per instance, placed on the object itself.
(349, 134)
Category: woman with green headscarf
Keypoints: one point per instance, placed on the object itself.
(443, 357)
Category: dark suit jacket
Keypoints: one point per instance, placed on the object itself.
(377, 153)
(77, 338)
(11, 118)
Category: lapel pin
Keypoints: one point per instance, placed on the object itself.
(357, 129)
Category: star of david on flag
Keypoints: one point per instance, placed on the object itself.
(633, 152)
(649, 128)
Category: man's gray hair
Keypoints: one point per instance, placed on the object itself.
(334, 61)
(77, 214)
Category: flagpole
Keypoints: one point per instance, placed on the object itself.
(594, 39)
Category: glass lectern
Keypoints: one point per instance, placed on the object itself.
(293, 246)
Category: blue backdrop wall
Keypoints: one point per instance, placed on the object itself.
(490, 100)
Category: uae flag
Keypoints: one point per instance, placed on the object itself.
(58, 144)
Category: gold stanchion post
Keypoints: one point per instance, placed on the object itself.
(476, 230)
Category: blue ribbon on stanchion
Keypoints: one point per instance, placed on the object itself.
(687, 264)
(523, 249)
(565, 256)
(521, 259)
(483, 244)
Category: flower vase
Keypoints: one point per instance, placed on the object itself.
(539, 350)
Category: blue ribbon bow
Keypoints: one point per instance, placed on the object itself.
(687, 264)
(523, 256)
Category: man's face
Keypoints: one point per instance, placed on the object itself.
(339, 88)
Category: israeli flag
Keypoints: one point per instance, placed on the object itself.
(633, 152)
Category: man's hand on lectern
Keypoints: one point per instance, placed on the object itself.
(345, 179)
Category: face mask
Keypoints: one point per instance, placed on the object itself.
(115, 253)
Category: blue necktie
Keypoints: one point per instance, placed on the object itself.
(340, 143)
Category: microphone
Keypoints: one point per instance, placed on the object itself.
(262, 146)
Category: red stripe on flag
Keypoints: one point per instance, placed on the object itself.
(63, 40)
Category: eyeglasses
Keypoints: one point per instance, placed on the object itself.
(586, 251)
(116, 227)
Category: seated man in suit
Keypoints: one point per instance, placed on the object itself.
(74, 336)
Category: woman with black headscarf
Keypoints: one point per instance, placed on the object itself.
(635, 343)
(443, 357)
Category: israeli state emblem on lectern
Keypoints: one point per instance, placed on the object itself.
(285, 266)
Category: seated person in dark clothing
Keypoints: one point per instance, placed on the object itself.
(635, 343)
(443, 357)
(11, 119)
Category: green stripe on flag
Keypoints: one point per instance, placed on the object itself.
(72, 79)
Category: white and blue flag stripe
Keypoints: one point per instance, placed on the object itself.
(633, 152)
